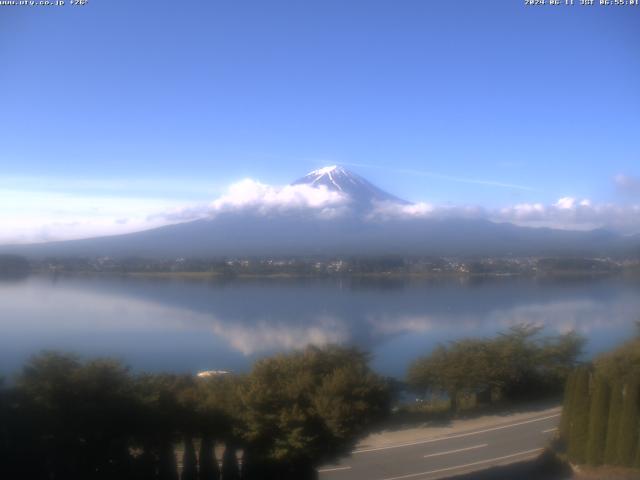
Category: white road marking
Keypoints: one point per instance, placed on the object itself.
(335, 469)
(412, 475)
(461, 435)
(550, 430)
(456, 451)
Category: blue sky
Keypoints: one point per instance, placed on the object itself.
(124, 106)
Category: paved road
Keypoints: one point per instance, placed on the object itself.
(452, 455)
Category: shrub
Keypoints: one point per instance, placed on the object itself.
(566, 406)
(598, 416)
(579, 417)
(628, 432)
(613, 424)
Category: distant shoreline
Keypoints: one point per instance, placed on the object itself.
(186, 275)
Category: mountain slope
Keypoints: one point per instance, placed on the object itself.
(250, 234)
(299, 231)
(339, 179)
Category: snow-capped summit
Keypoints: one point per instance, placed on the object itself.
(325, 170)
(339, 179)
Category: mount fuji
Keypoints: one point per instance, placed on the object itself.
(338, 179)
(330, 211)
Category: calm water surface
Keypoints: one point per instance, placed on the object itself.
(186, 326)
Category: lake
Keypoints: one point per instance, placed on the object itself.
(186, 326)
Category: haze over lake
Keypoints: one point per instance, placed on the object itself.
(187, 326)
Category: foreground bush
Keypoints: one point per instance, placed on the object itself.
(515, 365)
(66, 419)
(605, 399)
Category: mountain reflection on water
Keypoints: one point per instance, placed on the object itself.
(180, 325)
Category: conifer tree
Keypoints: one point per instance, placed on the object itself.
(613, 424)
(628, 432)
(167, 468)
(230, 469)
(579, 419)
(209, 469)
(254, 468)
(598, 417)
(145, 465)
(189, 460)
(566, 406)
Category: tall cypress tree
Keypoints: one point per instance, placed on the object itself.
(145, 465)
(230, 469)
(598, 417)
(189, 460)
(613, 424)
(253, 468)
(579, 419)
(256, 467)
(628, 432)
(209, 469)
(566, 406)
(167, 468)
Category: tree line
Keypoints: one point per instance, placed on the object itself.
(519, 364)
(601, 415)
(315, 265)
(65, 419)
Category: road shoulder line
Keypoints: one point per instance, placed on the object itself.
(459, 435)
(458, 467)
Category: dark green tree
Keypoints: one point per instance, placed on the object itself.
(579, 419)
(84, 411)
(308, 407)
(565, 420)
(628, 430)
(529, 365)
(517, 364)
(598, 417)
(230, 467)
(558, 355)
(452, 370)
(218, 406)
(209, 469)
(254, 467)
(145, 464)
(189, 460)
(621, 364)
(167, 468)
(613, 424)
(620, 367)
(104, 406)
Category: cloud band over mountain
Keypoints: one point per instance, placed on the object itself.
(327, 194)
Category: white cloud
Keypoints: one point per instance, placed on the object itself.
(566, 213)
(36, 216)
(523, 211)
(565, 203)
(29, 216)
(384, 211)
(250, 194)
(392, 210)
(43, 215)
(570, 213)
